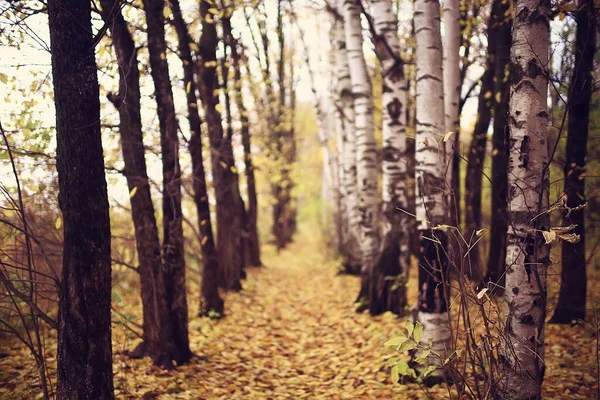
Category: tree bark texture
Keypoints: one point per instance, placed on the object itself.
(573, 289)
(430, 178)
(527, 258)
(502, 24)
(350, 246)
(84, 355)
(366, 157)
(387, 289)
(157, 334)
(173, 252)
(452, 86)
(229, 224)
(210, 300)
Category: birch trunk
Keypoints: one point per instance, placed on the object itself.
(349, 187)
(387, 291)
(452, 84)
(366, 155)
(527, 257)
(430, 178)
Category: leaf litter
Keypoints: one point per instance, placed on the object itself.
(292, 333)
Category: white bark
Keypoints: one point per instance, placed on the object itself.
(366, 157)
(430, 168)
(345, 117)
(394, 196)
(451, 65)
(527, 258)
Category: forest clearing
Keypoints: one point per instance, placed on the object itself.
(293, 333)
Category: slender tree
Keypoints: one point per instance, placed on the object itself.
(84, 369)
(430, 178)
(452, 86)
(253, 248)
(350, 246)
(157, 335)
(173, 252)
(366, 157)
(573, 289)
(502, 25)
(527, 257)
(227, 41)
(387, 290)
(493, 97)
(211, 302)
(225, 180)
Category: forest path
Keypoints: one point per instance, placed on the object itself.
(293, 333)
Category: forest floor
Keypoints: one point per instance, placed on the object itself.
(292, 333)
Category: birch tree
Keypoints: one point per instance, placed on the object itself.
(429, 173)
(527, 257)
(388, 291)
(452, 84)
(366, 157)
(345, 116)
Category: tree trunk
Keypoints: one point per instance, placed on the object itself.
(229, 224)
(430, 180)
(502, 24)
(573, 289)
(173, 252)
(452, 86)
(387, 291)
(289, 154)
(366, 157)
(157, 335)
(527, 257)
(476, 161)
(253, 247)
(227, 41)
(210, 300)
(345, 114)
(493, 90)
(84, 369)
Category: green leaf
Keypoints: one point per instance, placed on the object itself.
(409, 327)
(392, 361)
(403, 368)
(430, 342)
(418, 333)
(422, 359)
(407, 345)
(395, 375)
(428, 370)
(395, 342)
